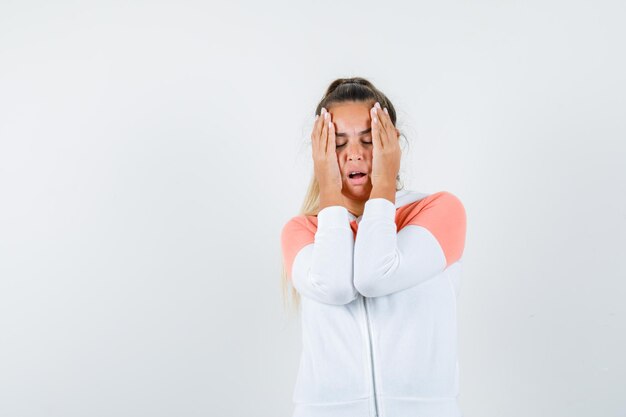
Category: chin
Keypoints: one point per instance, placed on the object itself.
(357, 192)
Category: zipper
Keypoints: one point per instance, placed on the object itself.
(369, 338)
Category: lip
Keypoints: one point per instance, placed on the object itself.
(358, 181)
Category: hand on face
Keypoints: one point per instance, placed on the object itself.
(323, 145)
(386, 152)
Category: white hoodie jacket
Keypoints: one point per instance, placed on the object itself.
(378, 307)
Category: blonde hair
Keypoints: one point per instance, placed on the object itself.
(340, 90)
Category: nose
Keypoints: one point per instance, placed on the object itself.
(355, 152)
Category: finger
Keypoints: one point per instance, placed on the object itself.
(317, 129)
(392, 132)
(387, 125)
(315, 135)
(384, 116)
(384, 136)
(331, 136)
(376, 140)
(324, 134)
(382, 133)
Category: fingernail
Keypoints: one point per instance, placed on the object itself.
(317, 116)
(386, 111)
(325, 115)
(323, 111)
(377, 105)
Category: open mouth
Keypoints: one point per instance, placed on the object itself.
(356, 174)
(357, 178)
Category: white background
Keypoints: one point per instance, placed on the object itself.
(150, 153)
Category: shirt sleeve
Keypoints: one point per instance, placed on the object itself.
(319, 260)
(431, 237)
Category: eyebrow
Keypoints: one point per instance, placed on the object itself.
(359, 134)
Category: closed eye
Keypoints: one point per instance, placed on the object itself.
(343, 144)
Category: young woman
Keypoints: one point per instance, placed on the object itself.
(377, 268)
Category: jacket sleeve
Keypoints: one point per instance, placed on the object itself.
(431, 239)
(319, 262)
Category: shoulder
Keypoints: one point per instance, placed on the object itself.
(299, 229)
(297, 232)
(441, 204)
(443, 214)
(447, 202)
(300, 222)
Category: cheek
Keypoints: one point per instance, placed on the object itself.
(339, 158)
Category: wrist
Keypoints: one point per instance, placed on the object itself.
(330, 197)
(385, 190)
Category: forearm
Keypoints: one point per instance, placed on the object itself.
(323, 271)
(330, 196)
(386, 190)
(390, 256)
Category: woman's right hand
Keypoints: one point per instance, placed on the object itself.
(325, 161)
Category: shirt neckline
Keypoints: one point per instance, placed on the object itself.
(398, 204)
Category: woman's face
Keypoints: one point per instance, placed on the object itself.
(353, 140)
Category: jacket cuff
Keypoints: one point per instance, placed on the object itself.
(333, 216)
(379, 208)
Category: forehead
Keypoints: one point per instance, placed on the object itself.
(351, 116)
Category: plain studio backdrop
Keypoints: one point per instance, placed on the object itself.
(150, 153)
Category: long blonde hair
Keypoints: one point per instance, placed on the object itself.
(340, 90)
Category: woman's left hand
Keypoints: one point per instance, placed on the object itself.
(386, 154)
